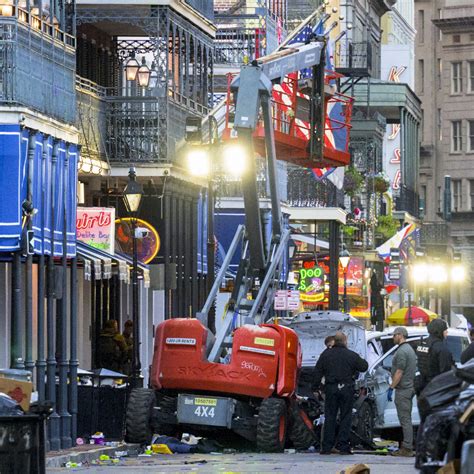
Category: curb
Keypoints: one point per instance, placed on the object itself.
(60, 459)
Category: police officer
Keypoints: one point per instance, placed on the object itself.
(433, 355)
(339, 366)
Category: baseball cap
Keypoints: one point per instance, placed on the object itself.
(402, 331)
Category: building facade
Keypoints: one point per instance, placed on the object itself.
(444, 82)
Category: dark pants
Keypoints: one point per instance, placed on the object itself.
(337, 400)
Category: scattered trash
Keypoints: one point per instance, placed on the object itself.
(121, 454)
(201, 461)
(190, 439)
(229, 451)
(290, 451)
(98, 438)
(161, 449)
(104, 457)
(73, 464)
(79, 441)
(112, 444)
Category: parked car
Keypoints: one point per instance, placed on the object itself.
(372, 409)
(379, 374)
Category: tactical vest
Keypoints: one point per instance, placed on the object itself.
(423, 354)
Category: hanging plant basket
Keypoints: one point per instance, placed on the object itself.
(380, 184)
(352, 181)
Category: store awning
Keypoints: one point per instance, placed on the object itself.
(102, 262)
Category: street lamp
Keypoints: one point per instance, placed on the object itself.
(344, 260)
(132, 196)
(132, 67)
(143, 74)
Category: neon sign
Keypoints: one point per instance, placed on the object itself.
(311, 282)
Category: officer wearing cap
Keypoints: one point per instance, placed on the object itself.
(433, 355)
(403, 376)
(340, 367)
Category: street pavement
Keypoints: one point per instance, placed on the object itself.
(298, 463)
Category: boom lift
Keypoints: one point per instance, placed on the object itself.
(244, 378)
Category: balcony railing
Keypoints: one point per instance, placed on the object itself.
(37, 66)
(139, 128)
(408, 201)
(354, 59)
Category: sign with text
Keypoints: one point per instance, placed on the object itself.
(95, 226)
(286, 300)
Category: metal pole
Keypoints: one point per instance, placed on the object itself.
(211, 321)
(54, 441)
(333, 265)
(29, 362)
(346, 302)
(136, 366)
(66, 441)
(73, 361)
(41, 362)
(17, 361)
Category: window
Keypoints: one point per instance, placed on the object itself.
(470, 137)
(423, 200)
(456, 39)
(470, 79)
(438, 198)
(440, 16)
(440, 74)
(456, 78)
(421, 26)
(471, 193)
(456, 136)
(439, 123)
(421, 75)
(456, 203)
(471, 37)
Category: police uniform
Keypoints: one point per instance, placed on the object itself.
(433, 355)
(338, 366)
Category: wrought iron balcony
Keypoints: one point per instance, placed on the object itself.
(37, 66)
(303, 190)
(408, 201)
(132, 129)
(354, 59)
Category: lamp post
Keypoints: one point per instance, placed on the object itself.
(132, 196)
(344, 260)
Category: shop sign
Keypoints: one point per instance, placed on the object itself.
(95, 226)
(312, 279)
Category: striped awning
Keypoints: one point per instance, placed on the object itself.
(103, 263)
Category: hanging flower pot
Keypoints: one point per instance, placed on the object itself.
(379, 183)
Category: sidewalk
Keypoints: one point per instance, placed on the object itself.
(84, 454)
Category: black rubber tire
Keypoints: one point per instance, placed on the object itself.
(301, 435)
(271, 425)
(166, 404)
(365, 424)
(138, 417)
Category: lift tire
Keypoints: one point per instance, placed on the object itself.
(364, 426)
(301, 430)
(138, 417)
(271, 425)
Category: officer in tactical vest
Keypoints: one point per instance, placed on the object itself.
(433, 355)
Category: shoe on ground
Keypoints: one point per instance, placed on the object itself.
(404, 452)
(335, 451)
(345, 453)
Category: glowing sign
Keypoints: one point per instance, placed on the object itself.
(311, 283)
